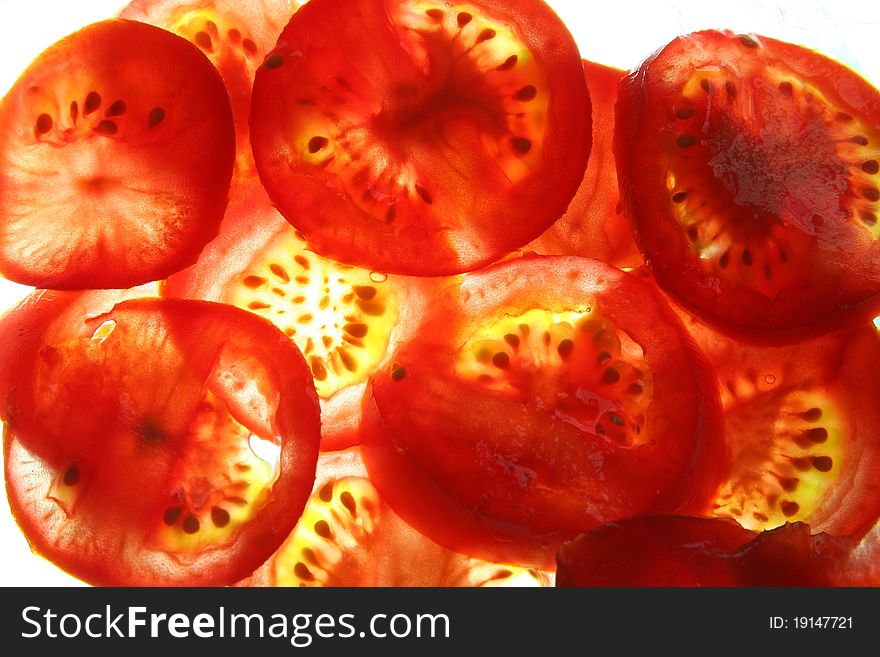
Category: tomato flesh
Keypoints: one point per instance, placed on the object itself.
(161, 442)
(116, 153)
(537, 402)
(420, 137)
(746, 166)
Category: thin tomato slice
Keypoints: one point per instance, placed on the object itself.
(594, 226)
(421, 138)
(541, 398)
(349, 536)
(346, 320)
(162, 442)
(801, 430)
(116, 152)
(235, 36)
(749, 169)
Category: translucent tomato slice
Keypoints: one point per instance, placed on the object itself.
(162, 442)
(116, 151)
(800, 428)
(421, 138)
(541, 398)
(749, 168)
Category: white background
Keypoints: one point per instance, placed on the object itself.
(617, 33)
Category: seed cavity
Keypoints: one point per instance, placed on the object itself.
(822, 463)
(463, 18)
(486, 35)
(191, 525)
(117, 108)
(273, 61)
(43, 125)
(521, 145)
(203, 41)
(684, 113)
(526, 93)
(219, 516)
(870, 167)
(398, 373)
(679, 197)
(71, 476)
(871, 193)
(349, 503)
(156, 116)
(250, 48)
(171, 515)
(507, 64)
(435, 14)
(785, 88)
(686, 141)
(106, 127)
(789, 508)
(93, 102)
(316, 144)
(322, 528)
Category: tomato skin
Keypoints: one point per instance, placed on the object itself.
(431, 433)
(164, 119)
(830, 259)
(106, 524)
(436, 185)
(593, 225)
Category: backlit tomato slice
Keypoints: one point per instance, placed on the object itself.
(349, 536)
(684, 551)
(421, 137)
(116, 151)
(235, 36)
(801, 430)
(163, 442)
(346, 320)
(749, 168)
(593, 226)
(541, 398)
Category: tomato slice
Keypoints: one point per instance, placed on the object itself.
(593, 226)
(749, 169)
(163, 442)
(541, 398)
(346, 320)
(800, 427)
(653, 551)
(684, 551)
(349, 536)
(421, 137)
(235, 36)
(116, 151)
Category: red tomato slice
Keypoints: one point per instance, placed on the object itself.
(749, 168)
(421, 138)
(593, 226)
(163, 442)
(653, 551)
(116, 152)
(346, 320)
(800, 427)
(683, 551)
(235, 36)
(543, 397)
(349, 536)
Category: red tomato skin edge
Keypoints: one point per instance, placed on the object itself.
(633, 92)
(394, 475)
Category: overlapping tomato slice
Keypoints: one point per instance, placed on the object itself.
(687, 551)
(421, 137)
(346, 320)
(749, 169)
(541, 398)
(116, 151)
(154, 442)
